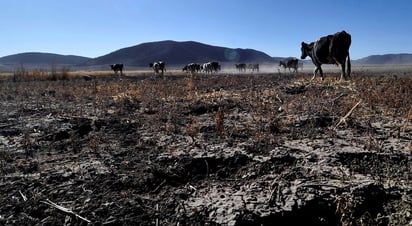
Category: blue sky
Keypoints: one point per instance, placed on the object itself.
(96, 27)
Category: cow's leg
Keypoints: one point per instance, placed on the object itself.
(349, 67)
(314, 73)
(318, 68)
(321, 73)
(342, 74)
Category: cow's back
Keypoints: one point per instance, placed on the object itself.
(334, 47)
(340, 45)
(321, 49)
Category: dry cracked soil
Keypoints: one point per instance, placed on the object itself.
(225, 149)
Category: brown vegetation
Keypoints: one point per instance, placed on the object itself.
(208, 150)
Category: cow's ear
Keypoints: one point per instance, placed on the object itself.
(303, 43)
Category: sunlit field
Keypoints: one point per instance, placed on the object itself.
(228, 148)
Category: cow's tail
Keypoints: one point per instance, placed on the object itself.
(349, 66)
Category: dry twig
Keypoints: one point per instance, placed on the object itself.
(158, 187)
(343, 119)
(64, 209)
(23, 196)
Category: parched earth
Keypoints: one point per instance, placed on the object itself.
(222, 149)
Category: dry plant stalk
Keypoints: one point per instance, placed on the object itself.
(64, 209)
(343, 119)
(219, 121)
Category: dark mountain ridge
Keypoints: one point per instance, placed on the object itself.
(42, 58)
(401, 58)
(171, 52)
(177, 53)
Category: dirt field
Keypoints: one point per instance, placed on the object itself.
(227, 149)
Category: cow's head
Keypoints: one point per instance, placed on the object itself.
(305, 50)
(151, 65)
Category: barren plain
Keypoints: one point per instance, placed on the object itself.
(222, 149)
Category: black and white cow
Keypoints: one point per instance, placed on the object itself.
(116, 68)
(254, 67)
(290, 63)
(191, 68)
(158, 67)
(206, 67)
(211, 67)
(241, 67)
(331, 49)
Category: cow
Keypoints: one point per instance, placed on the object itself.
(157, 67)
(290, 63)
(331, 49)
(210, 67)
(254, 67)
(206, 67)
(191, 68)
(215, 66)
(241, 67)
(116, 68)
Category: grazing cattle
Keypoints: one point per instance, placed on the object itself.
(254, 67)
(290, 63)
(210, 67)
(215, 66)
(116, 68)
(331, 49)
(241, 67)
(157, 67)
(191, 68)
(206, 67)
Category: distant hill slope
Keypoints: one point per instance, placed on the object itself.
(173, 53)
(403, 58)
(177, 53)
(42, 59)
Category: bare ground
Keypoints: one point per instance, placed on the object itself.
(210, 150)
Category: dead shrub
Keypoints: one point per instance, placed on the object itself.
(219, 121)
